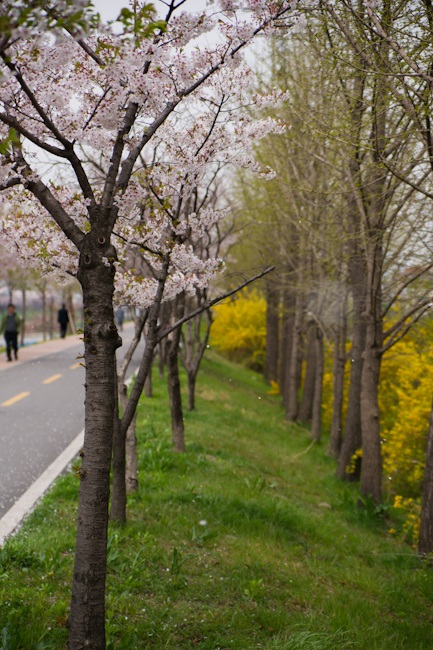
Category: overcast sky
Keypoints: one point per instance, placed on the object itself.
(110, 9)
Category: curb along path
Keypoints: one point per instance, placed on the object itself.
(24, 505)
(32, 354)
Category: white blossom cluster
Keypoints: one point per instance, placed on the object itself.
(192, 118)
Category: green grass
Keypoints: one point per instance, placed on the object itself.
(246, 541)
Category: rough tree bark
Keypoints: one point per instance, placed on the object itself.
(339, 362)
(173, 339)
(195, 342)
(316, 423)
(272, 332)
(148, 387)
(352, 440)
(371, 470)
(131, 477)
(118, 489)
(294, 368)
(162, 346)
(306, 407)
(124, 454)
(287, 324)
(87, 616)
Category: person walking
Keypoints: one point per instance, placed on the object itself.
(63, 320)
(120, 317)
(10, 326)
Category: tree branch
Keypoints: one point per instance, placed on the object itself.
(395, 339)
(50, 203)
(210, 303)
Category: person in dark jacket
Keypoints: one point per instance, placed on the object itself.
(10, 326)
(119, 317)
(63, 320)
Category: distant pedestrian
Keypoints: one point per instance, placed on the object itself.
(120, 315)
(63, 320)
(10, 326)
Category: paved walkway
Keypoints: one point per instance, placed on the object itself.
(12, 519)
(38, 350)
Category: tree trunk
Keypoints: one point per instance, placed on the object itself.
(87, 615)
(425, 544)
(191, 390)
(131, 478)
(194, 348)
(118, 492)
(293, 377)
(173, 339)
(162, 357)
(316, 424)
(177, 424)
(125, 472)
(306, 408)
(352, 440)
(371, 470)
(272, 335)
(148, 389)
(125, 465)
(287, 325)
(164, 315)
(339, 363)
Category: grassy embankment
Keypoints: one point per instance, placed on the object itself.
(244, 542)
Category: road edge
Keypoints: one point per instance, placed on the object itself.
(15, 515)
(11, 521)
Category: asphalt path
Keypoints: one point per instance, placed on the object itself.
(41, 417)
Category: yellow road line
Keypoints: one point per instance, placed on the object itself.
(51, 379)
(76, 365)
(15, 399)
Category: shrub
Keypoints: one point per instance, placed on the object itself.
(239, 329)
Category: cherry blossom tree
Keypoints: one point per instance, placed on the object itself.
(63, 96)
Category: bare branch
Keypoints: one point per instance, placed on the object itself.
(210, 303)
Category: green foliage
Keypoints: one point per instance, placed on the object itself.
(140, 22)
(226, 546)
(16, 553)
(239, 329)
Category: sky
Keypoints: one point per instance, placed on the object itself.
(110, 9)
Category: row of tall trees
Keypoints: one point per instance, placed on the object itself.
(350, 209)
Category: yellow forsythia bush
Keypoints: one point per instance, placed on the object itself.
(239, 329)
(406, 390)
